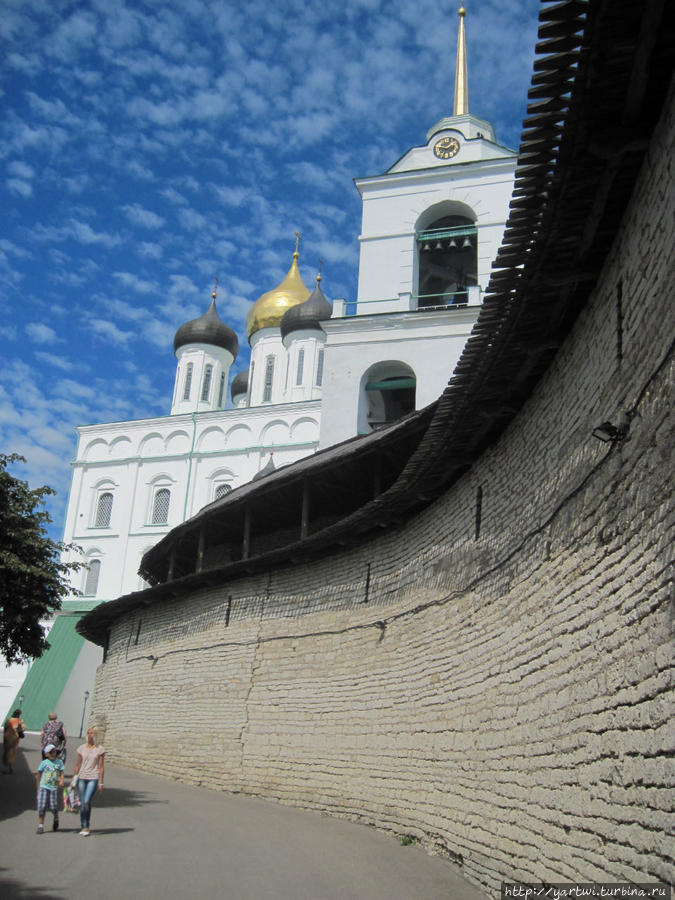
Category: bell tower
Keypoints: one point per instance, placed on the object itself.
(431, 227)
(432, 223)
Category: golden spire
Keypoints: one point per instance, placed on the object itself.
(214, 293)
(461, 105)
(297, 244)
(318, 274)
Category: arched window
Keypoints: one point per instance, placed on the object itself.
(188, 381)
(160, 507)
(319, 369)
(221, 490)
(448, 261)
(389, 394)
(269, 378)
(103, 510)
(206, 383)
(301, 366)
(91, 583)
(221, 390)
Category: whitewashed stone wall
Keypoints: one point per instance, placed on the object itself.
(506, 698)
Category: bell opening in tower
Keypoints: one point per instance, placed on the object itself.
(447, 262)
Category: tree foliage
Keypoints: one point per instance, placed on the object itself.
(33, 576)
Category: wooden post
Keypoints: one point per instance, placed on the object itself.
(304, 521)
(246, 542)
(200, 549)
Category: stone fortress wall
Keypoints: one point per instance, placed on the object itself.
(494, 677)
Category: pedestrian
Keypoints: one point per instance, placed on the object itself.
(11, 735)
(89, 776)
(49, 781)
(54, 732)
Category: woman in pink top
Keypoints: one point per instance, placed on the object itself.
(89, 775)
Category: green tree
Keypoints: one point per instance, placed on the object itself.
(33, 577)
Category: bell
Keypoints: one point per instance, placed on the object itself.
(439, 246)
(426, 247)
(466, 243)
(452, 245)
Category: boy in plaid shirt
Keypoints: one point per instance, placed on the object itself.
(49, 780)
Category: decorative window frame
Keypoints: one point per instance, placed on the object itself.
(104, 486)
(318, 378)
(159, 483)
(268, 382)
(187, 383)
(94, 556)
(207, 379)
(221, 478)
(158, 516)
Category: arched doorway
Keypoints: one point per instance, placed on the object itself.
(447, 261)
(388, 394)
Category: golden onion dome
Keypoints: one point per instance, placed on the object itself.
(268, 310)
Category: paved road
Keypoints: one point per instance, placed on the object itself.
(153, 838)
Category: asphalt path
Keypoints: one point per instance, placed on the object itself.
(154, 838)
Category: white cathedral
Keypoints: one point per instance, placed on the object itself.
(320, 373)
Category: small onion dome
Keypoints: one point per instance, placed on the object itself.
(267, 470)
(239, 385)
(207, 329)
(307, 315)
(269, 308)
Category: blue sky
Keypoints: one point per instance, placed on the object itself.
(146, 147)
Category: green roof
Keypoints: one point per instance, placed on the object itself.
(47, 676)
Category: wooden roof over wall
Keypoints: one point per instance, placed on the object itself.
(601, 75)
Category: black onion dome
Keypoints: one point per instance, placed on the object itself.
(239, 384)
(267, 470)
(207, 329)
(307, 315)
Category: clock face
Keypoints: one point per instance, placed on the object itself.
(446, 148)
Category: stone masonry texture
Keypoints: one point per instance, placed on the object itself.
(506, 698)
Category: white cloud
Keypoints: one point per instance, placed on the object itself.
(139, 171)
(72, 35)
(41, 333)
(149, 250)
(85, 234)
(59, 362)
(21, 170)
(110, 332)
(141, 286)
(191, 220)
(137, 215)
(174, 196)
(22, 188)
(231, 196)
